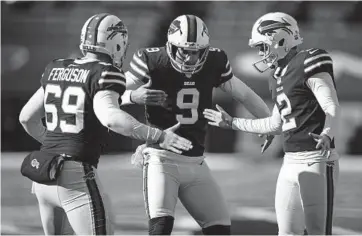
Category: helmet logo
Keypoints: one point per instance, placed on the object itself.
(204, 30)
(118, 28)
(269, 26)
(174, 27)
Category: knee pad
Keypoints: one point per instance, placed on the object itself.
(160, 225)
(217, 230)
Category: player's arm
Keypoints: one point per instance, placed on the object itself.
(245, 95)
(318, 69)
(138, 81)
(270, 125)
(230, 84)
(322, 86)
(106, 108)
(31, 115)
(132, 83)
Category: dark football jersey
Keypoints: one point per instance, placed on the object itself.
(187, 97)
(300, 111)
(72, 126)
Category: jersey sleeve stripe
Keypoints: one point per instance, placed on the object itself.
(310, 68)
(139, 71)
(105, 81)
(110, 73)
(227, 73)
(227, 65)
(140, 62)
(105, 63)
(315, 58)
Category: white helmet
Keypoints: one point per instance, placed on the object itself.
(189, 33)
(275, 34)
(105, 33)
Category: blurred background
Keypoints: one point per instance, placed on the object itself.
(35, 32)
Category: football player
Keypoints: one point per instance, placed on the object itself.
(306, 112)
(176, 83)
(79, 98)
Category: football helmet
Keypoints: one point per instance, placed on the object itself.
(274, 34)
(105, 33)
(187, 38)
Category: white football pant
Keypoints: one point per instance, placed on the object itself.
(305, 196)
(169, 176)
(75, 202)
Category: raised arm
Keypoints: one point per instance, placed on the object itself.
(106, 108)
(138, 81)
(245, 95)
(270, 125)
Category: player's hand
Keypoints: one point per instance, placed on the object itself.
(218, 118)
(137, 158)
(267, 142)
(323, 143)
(171, 141)
(145, 96)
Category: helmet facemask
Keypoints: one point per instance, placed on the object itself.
(187, 60)
(268, 58)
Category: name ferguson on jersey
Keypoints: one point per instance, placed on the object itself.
(69, 74)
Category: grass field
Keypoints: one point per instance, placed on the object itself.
(248, 184)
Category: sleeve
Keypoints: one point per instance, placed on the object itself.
(132, 83)
(269, 125)
(225, 68)
(139, 66)
(317, 61)
(323, 89)
(112, 79)
(106, 108)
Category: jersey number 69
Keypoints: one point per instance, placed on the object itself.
(68, 107)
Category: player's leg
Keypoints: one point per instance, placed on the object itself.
(317, 190)
(288, 207)
(202, 198)
(53, 218)
(160, 190)
(83, 200)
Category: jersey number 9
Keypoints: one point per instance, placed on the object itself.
(193, 105)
